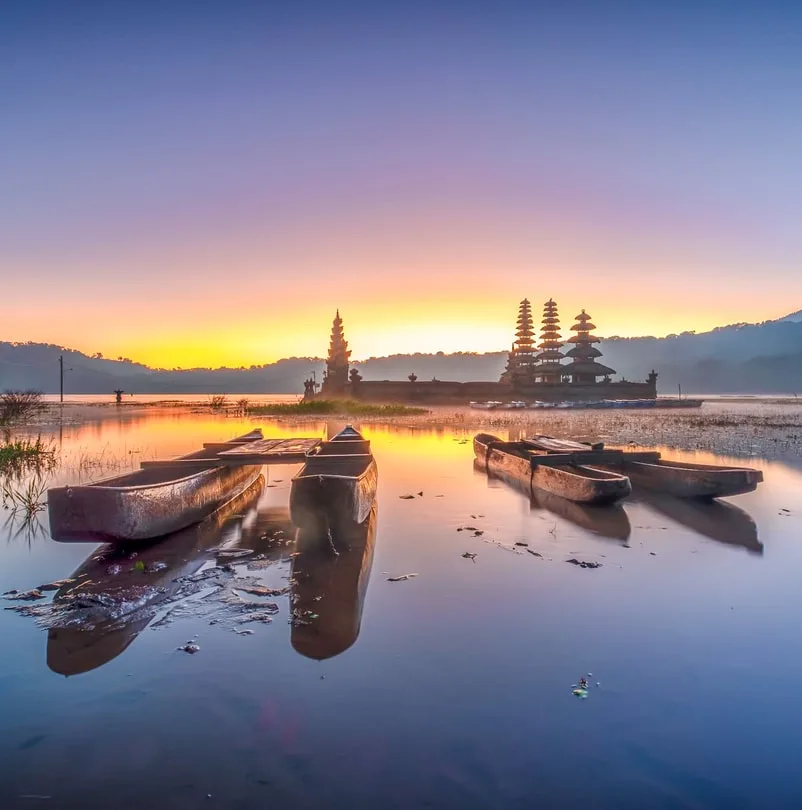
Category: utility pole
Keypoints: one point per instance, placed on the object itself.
(679, 386)
(61, 377)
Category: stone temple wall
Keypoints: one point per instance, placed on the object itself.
(458, 393)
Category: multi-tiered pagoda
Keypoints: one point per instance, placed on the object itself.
(549, 368)
(522, 360)
(335, 378)
(583, 367)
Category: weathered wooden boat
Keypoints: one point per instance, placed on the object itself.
(336, 487)
(562, 474)
(609, 520)
(151, 502)
(683, 479)
(111, 597)
(330, 580)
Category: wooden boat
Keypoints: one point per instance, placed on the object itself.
(608, 521)
(560, 475)
(683, 479)
(329, 589)
(337, 485)
(151, 502)
(112, 598)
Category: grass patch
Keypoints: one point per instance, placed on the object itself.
(341, 407)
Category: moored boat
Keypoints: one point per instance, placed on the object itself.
(336, 487)
(150, 502)
(685, 479)
(682, 479)
(573, 481)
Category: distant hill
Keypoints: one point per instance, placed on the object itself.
(740, 358)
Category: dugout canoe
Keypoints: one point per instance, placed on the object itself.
(682, 479)
(573, 481)
(336, 487)
(111, 598)
(148, 503)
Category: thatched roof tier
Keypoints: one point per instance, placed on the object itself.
(583, 316)
(583, 338)
(584, 326)
(587, 368)
(583, 350)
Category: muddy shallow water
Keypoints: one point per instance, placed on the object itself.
(452, 688)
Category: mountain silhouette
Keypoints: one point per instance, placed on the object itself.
(739, 358)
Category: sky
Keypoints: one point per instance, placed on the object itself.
(198, 183)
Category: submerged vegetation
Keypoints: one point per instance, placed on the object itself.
(26, 454)
(341, 407)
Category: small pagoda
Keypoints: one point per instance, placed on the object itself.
(583, 367)
(522, 359)
(549, 368)
(335, 377)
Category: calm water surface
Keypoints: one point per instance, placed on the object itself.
(449, 690)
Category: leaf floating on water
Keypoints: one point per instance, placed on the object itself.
(469, 556)
(534, 553)
(584, 563)
(401, 578)
(521, 543)
(407, 497)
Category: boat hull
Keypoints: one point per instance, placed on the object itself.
(110, 511)
(574, 482)
(687, 480)
(338, 500)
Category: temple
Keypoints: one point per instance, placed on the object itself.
(534, 373)
(335, 377)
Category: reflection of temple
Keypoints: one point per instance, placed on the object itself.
(533, 372)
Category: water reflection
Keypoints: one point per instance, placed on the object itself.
(606, 521)
(329, 585)
(114, 583)
(719, 520)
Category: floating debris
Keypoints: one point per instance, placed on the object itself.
(469, 556)
(478, 533)
(584, 563)
(420, 494)
(534, 553)
(401, 578)
(521, 543)
(190, 648)
(260, 590)
(407, 497)
(24, 596)
(242, 632)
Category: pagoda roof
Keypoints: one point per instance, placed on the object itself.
(585, 326)
(584, 350)
(583, 337)
(583, 316)
(550, 334)
(588, 367)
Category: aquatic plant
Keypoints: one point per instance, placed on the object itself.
(343, 407)
(19, 407)
(218, 402)
(24, 498)
(23, 455)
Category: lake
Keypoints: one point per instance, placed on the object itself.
(450, 689)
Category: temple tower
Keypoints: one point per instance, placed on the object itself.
(335, 378)
(549, 368)
(583, 368)
(522, 358)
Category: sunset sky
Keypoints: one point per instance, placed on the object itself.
(203, 183)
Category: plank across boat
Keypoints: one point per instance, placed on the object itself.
(682, 479)
(562, 476)
(148, 503)
(337, 484)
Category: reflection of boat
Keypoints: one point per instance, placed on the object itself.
(683, 479)
(337, 485)
(574, 482)
(329, 589)
(720, 521)
(151, 502)
(116, 592)
(608, 521)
